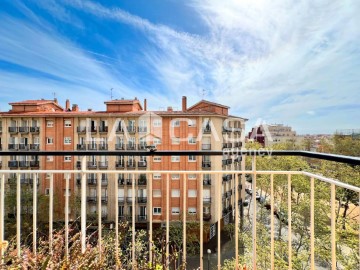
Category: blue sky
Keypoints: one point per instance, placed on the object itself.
(280, 61)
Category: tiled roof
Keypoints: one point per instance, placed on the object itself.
(208, 102)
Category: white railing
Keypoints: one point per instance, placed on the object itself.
(84, 172)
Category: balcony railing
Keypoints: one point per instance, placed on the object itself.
(23, 147)
(24, 130)
(81, 129)
(206, 146)
(34, 164)
(34, 130)
(103, 146)
(142, 129)
(35, 146)
(142, 146)
(142, 199)
(92, 146)
(315, 187)
(142, 164)
(207, 130)
(120, 164)
(103, 129)
(120, 130)
(131, 164)
(207, 182)
(91, 164)
(119, 146)
(13, 129)
(131, 146)
(81, 146)
(103, 164)
(206, 165)
(13, 146)
(131, 129)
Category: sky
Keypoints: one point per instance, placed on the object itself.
(291, 62)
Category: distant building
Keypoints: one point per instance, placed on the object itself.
(353, 133)
(268, 135)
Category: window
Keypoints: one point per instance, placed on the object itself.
(67, 140)
(175, 193)
(175, 210)
(157, 176)
(192, 158)
(175, 123)
(175, 158)
(156, 193)
(49, 140)
(67, 123)
(157, 159)
(191, 122)
(157, 210)
(175, 176)
(49, 123)
(192, 210)
(192, 140)
(67, 158)
(192, 176)
(47, 191)
(192, 193)
(49, 158)
(157, 141)
(157, 122)
(175, 140)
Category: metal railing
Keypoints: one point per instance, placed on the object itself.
(239, 175)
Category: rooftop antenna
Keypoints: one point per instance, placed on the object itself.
(54, 94)
(111, 95)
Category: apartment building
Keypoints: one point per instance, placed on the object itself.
(128, 125)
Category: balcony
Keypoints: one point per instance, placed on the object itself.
(142, 164)
(91, 165)
(23, 147)
(142, 181)
(129, 199)
(103, 164)
(34, 164)
(92, 130)
(104, 199)
(119, 146)
(13, 146)
(131, 129)
(142, 218)
(120, 130)
(120, 164)
(128, 182)
(13, 130)
(226, 130)
(207, 182)
(142, 129)
(78, 165)
(131, 165)
(318, 211)
(103, 129)
(81, 147)
(103, 146)
(35, 147)
(206, 200)
(91, 181)
(13, 163)
(92, 146)
(206, 146)
(142, 199)
(91, 199)
(24, 130)
(206, 165)
(131, 146)
(121, 181)
(207, 130)
(81, 130)
(104, 180)
(24, 164)
(142, 146)
(34, 130)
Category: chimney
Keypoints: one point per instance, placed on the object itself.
(55, 100)
(184, 104)
(67, 105)
(145, 105)
(169, 109)
(75, 108)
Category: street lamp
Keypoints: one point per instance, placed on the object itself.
(209, 252)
